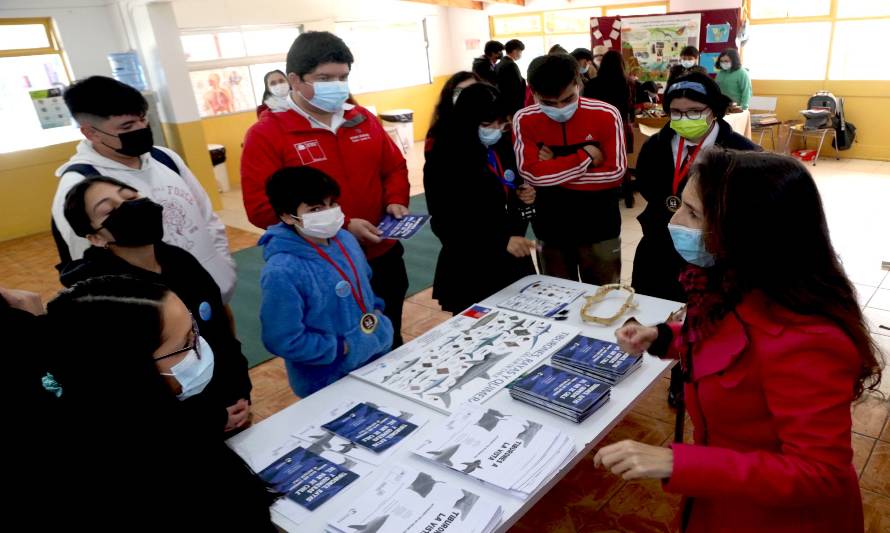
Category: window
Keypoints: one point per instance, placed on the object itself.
(373, 44)
(659, 9)
(850, 31)
(765, 60)
(569, 20)
(227, 65)
(774, 9)
(31, 63)
(850, 59)
(534, 47)
(517, 24)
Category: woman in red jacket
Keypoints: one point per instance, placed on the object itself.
(774, 349)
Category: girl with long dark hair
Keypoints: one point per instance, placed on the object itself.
(774, 349)
(129, 348)
(475, 200)
(447, 100)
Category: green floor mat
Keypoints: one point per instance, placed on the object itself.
(421, 253)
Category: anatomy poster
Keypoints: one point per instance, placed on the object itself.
(467, 359)
(655, 42)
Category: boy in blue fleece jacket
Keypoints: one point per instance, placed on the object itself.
(319, 312)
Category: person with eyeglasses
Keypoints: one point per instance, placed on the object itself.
(129, 364)
(480, 207)
(125, 229)
(696, 108)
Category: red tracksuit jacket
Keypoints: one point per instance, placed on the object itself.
(770, 401)
(594, 120)
(360, 157)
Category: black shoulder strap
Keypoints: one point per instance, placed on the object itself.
(164, 158)
(62, 246)
(83, 169)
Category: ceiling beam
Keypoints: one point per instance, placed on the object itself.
(466, 4)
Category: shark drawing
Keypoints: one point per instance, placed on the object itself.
(401, 368)
(320, 443)
(488, 341)
(490, 419)
(528, 434)
(478, 370)
(444, 456)
(423, 484)
(465, 504)
(433, 385)
(371, 527)
(346, 447)
(481, 322)
(538, 335)
(469, 468)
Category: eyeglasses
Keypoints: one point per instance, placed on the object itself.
(194, 346)
(692, 114)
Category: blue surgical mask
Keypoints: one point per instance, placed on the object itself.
(192, 373)
(560, 114)
(690, 244)
(489, 136)
(687, 63)
(329, 95)
(725, 65)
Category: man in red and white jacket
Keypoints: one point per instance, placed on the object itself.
(571, 149)
(346, 142)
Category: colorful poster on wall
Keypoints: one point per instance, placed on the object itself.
(655, 42)
(222, 91)
(709, 61)
(51, 109)
(718, 33)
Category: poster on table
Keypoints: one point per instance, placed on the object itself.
(467, 359)
(655, 42)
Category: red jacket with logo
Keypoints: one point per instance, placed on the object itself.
(360, 157)
(594, 121)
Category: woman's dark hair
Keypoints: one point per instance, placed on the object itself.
(101, 97)
(611, 69)
(733, 55)
(478, 103)
(689, 51)
(116, 411)
(446, 100)
(713, 97)
(75, 203)
(315, 48)
(266, 92)
(289, 187)
(766, 228)
(550, 75)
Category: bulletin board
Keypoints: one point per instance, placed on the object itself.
(653, 42)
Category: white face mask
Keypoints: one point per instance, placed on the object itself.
(687, 63)
(489, 136)
(584, 69)
(726, 65)
(280, 89)
(323, 224)
(193, 374)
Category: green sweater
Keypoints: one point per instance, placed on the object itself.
(736, 85)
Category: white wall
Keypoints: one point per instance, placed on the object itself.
(700, 5)
(321, 15)
(88, 30)
(466, 25)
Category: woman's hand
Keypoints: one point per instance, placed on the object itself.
(635, 460)
(239, 415)
(636, 338)
(520, 246)
(526, 193)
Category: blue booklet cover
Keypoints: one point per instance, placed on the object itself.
(562, 388)
(596, 355)
(405, 228)
(370, 427)
(307, 478)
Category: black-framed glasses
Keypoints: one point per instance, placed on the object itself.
(194, 345)
(692, 114)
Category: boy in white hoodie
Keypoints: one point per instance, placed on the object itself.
(119, 144)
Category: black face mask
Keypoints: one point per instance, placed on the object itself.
(136, 223)
(133, 143)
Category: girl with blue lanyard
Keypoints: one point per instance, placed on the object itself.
(480, 208)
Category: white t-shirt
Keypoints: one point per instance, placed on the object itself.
(189, 220)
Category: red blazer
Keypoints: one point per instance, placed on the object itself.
(360, 157)
(594, 121)
(770, 401)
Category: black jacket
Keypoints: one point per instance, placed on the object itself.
(657, 265)
(182, 274)
(510, 84)
(474, 218)
(485, 70)
(618, 95)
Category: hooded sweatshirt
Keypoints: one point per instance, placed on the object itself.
(189, 220)
(306, 320)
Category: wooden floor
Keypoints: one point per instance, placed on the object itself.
(588, 499)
